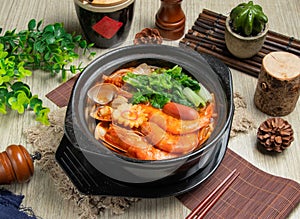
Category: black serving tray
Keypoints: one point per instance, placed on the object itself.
(90, 181)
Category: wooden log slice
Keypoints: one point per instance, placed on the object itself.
(278, 85)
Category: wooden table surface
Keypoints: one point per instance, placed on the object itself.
(40, 192)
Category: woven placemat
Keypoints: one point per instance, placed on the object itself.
(255, 194)
(207, 36)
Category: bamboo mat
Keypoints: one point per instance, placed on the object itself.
(254, 194)
(207, 36)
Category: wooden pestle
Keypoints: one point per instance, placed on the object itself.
(16, 164)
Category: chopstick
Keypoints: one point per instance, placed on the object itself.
(199, 211)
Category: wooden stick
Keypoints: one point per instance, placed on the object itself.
(282, 39)
(200, 24)
(212, 18)
(208, 199)
(205, 45)
(200, 36)
(211, 23)
(205, 211)
(282, 47)
(214, 14)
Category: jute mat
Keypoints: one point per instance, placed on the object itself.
(46, 139)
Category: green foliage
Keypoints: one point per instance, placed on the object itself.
(248, 19)
(51, 49)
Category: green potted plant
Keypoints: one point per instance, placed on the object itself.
(245, 30)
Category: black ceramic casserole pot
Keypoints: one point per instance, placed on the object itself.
(79, 125)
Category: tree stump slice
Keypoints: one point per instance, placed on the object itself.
(278, 85)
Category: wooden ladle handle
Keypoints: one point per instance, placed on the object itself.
(16, 164)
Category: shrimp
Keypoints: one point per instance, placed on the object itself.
(178, 126)
(168, 142)
(116, 78)
(135, 145)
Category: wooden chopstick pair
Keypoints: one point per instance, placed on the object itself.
(201, 210)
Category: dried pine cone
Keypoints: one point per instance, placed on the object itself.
(148, 36)
(275, 134)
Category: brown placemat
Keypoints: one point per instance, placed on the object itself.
(61, 95)
(255, 194)
(207, 36)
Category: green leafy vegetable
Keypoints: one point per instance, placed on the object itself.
(51, 49)
(193, 97)
(205, 94)
(162, 86)
(185, 80)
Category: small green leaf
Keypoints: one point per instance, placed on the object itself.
(73, 69)
(58, 26)
(92, 54)
(42, 116)
(39, 46)
(34, 101)
(31, 24)
(39, 24)
(47, 56)
(3, 108)
(20, 86)
(50, 39)
(77, 38)
(3, 54)
(49, 28)
(90, 45)
(4, 79)
(64, 75)
(83, 43)
(19, 102)
(56, 67)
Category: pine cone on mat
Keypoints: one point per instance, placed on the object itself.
(275, 134)
(148, 36)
